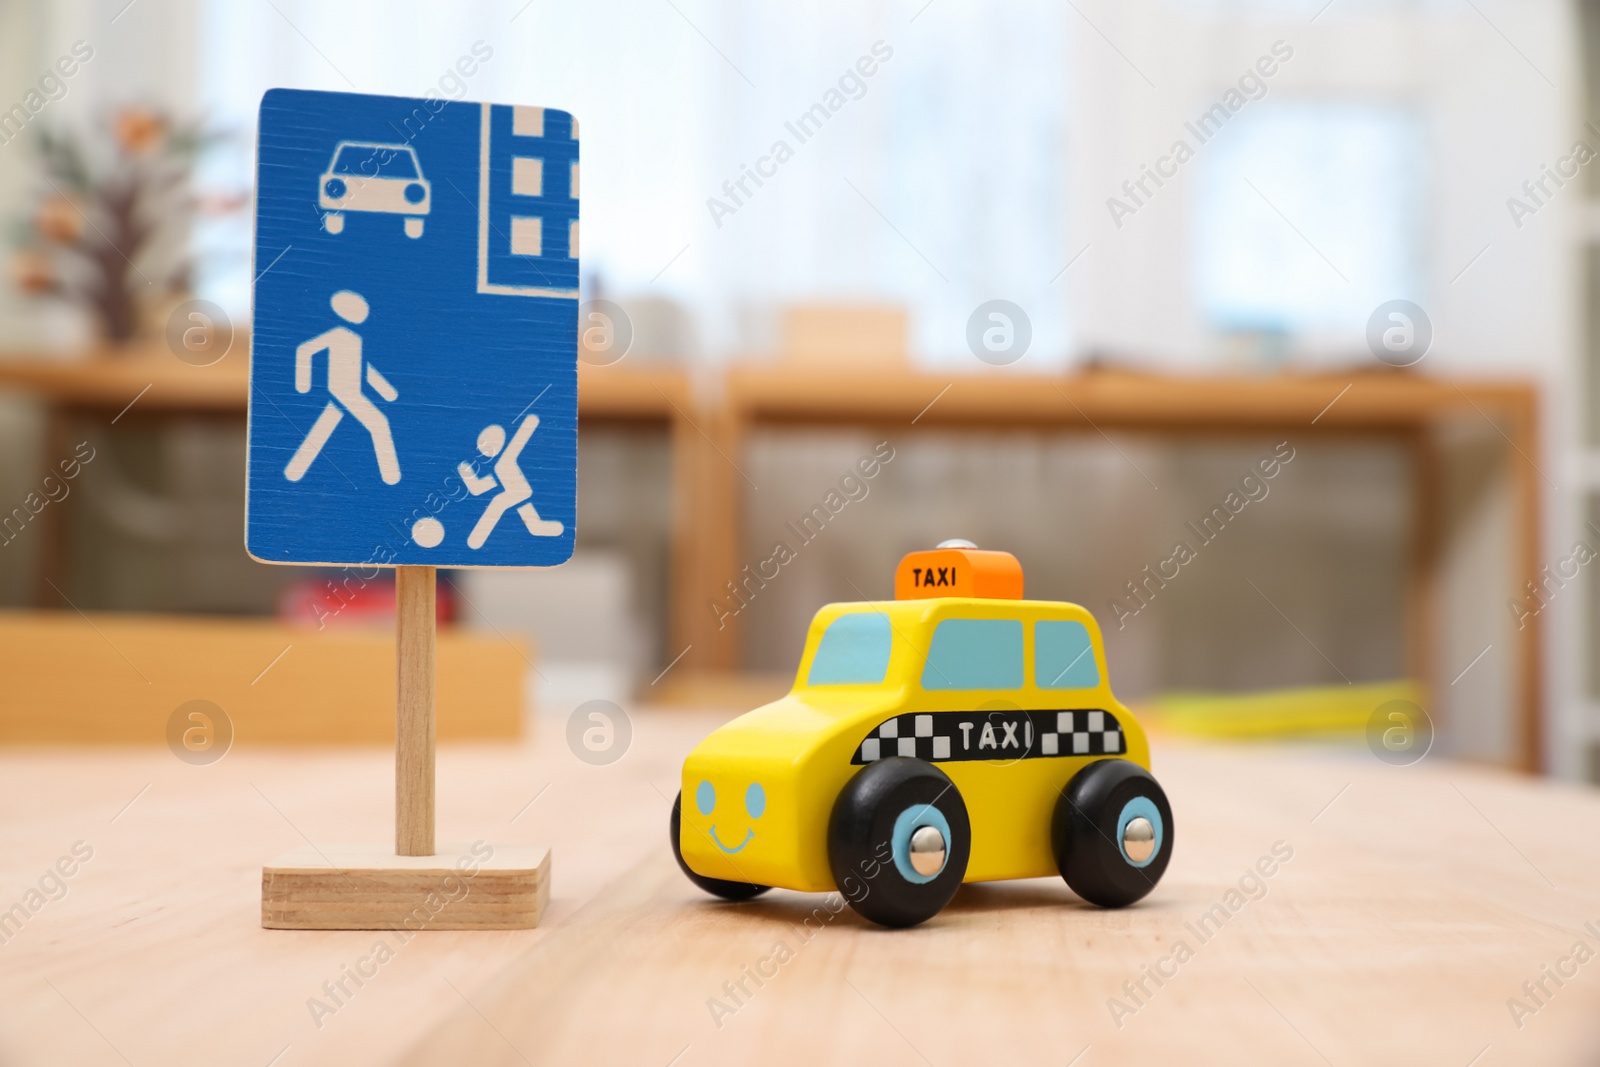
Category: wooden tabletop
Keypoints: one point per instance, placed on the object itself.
(1406, 907)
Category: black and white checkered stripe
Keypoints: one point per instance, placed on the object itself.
(945, 736)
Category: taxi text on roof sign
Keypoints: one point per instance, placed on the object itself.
(963, 572)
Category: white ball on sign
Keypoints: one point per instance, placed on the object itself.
(427, 532)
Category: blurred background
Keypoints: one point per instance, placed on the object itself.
(796, 222)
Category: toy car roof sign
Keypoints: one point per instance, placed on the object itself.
(413, 374)
(963, 572)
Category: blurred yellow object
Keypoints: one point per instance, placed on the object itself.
(1315, 711)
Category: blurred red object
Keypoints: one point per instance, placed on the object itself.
(343, 599)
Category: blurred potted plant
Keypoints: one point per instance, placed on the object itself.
(110, 229)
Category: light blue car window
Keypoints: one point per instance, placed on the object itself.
(975, 654)
(854, 650)
(1063, 656)
(375, 161)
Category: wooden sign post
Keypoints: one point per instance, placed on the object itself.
(413, 404)
(358, 887)
(414, 727)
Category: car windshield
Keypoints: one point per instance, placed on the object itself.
(854, 650)
(974, 654)
(376, 161)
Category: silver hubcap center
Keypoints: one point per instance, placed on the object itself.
(927, 850)
(1139, 839)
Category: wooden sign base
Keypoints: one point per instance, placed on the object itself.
(415, 886)
(368, 887)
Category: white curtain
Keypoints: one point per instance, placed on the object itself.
(937, 181)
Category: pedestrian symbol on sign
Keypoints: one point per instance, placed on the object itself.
(343, 346)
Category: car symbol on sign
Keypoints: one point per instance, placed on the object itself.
(383, 178)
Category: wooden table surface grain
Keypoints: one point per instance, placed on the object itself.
(1405, 909)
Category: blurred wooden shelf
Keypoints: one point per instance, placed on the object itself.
(621, 393)
(1366, 400)
(1405, 405)
(708, 430)
(163, 383)
(117, 678)
(158, 380)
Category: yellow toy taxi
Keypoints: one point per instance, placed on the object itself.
(957, 734)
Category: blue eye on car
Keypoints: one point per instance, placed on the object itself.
(705, 798)
(755, 800)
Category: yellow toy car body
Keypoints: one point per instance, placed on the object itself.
(1007, 697)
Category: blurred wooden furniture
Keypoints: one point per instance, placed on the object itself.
(155, 380)
(1395, 934)
(1407, 407)
(845, 336)
(152, 385)
(143, 380)
(117, 678)
(710, 425)
(138, 386)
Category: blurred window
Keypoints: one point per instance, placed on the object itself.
(1308, 215)
(1063, 656)
(738, 159)
(975, 654)
(854, 650)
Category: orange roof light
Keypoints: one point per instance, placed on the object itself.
(958, 568)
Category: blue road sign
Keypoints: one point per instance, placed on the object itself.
(413, 374)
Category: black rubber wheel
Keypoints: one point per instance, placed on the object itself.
(869, 836)
(717, 887)
(1086, 832)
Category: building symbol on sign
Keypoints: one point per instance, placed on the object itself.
(528, 202)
